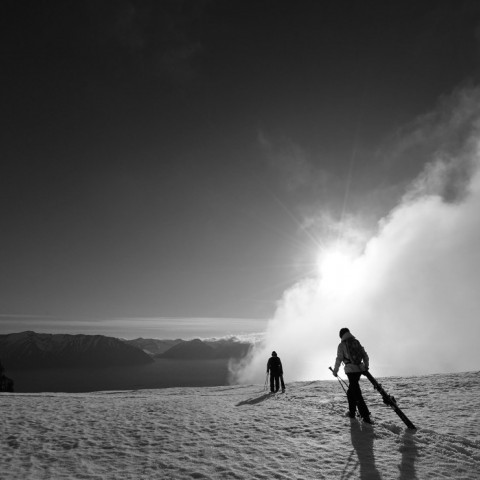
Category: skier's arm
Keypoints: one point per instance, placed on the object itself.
(338, 360)
(366, 360)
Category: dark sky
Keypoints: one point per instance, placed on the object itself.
(179, 158)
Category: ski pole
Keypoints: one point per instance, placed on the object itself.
(342, 382)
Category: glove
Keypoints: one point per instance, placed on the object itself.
(334, 374)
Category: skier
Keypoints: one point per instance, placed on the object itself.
(356, 361)
(274, 366)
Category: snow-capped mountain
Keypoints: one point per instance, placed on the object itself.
(28, 350)
(229, 347)
(193, 349)
(198, 349)
(153, 346)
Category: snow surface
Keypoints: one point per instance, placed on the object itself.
(243, 432)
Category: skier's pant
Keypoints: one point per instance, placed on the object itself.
(355, 397)
(275, 381)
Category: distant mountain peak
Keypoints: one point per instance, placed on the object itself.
(200, 349)
(27, 350)
(191, 349)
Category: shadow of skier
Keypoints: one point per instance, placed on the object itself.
(409, 452)
(362, 440)
(253, 401)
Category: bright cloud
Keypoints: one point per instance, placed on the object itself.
(411, 294)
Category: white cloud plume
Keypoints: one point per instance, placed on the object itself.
(411, 295)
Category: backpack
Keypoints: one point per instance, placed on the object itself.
(275, 364)
(355, 351)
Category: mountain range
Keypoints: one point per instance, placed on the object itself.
(153, 346)
(30, 350)
(206, 350)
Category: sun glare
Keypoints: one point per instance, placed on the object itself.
(334, 266)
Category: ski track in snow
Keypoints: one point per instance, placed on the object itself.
(242, 432)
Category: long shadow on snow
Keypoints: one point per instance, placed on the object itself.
(409, 453)
(253, 401)
(362, 436)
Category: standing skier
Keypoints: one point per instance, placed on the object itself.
(356, 361)
(274, 366)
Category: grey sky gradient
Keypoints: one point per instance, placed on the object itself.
(188, 159)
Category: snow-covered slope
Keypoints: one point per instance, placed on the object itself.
(242, 432)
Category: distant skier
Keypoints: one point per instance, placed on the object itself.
(274, 366)
(356, 361)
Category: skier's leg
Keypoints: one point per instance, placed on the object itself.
(355, 393)
(352, 392)
(362, 406)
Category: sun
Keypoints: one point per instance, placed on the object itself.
(334, 265)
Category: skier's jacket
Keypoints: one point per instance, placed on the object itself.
(274, 366)
(352, 354)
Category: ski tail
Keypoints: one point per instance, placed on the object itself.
(389, 400)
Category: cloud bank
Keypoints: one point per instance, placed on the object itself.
(411, 293)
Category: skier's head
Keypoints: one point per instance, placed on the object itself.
(274, 354)
(343, 331)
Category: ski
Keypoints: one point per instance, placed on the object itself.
(389, 400)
